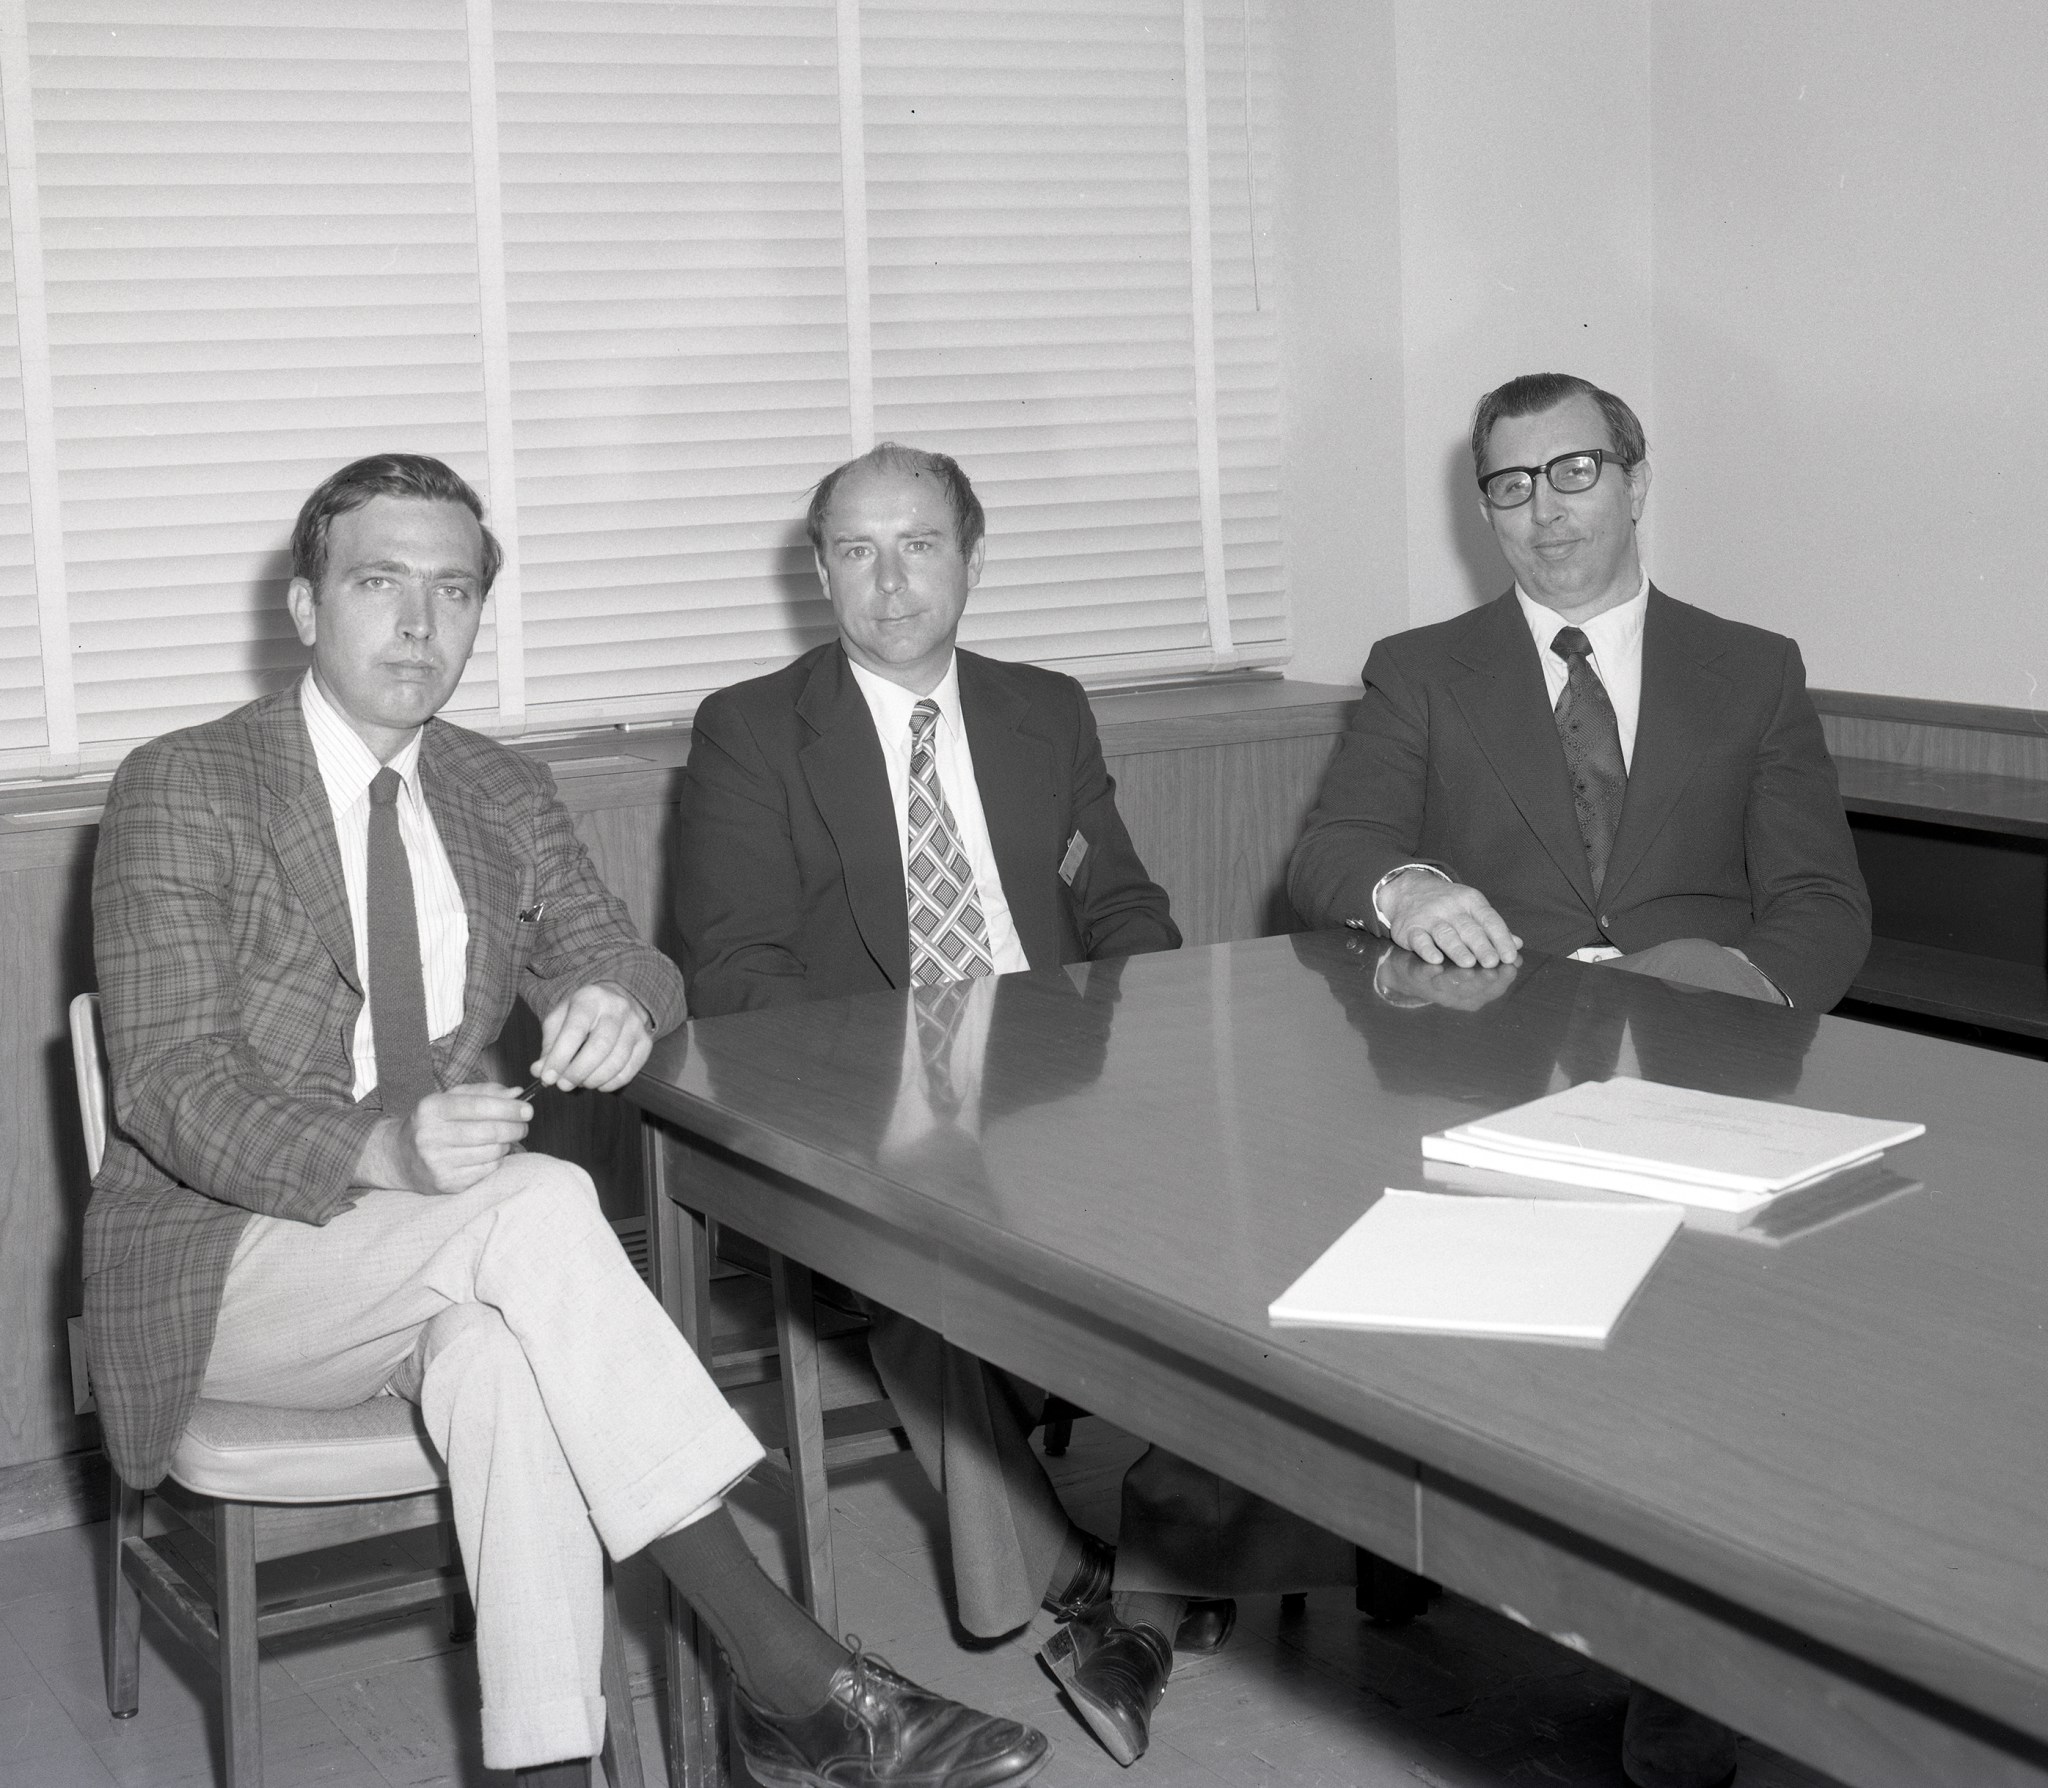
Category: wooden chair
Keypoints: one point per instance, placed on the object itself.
(250, 1484)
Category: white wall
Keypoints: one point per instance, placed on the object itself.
(1851, 333)
(1808, 242)
(1525, 241)
(1343, 478)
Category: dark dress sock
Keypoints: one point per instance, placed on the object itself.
(1142, 1608)
(780, 1655)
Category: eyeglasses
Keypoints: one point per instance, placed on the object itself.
(1569, 473)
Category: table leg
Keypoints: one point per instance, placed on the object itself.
(680, 1251)
(803, 1426)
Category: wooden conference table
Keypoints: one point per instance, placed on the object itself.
(1804, 1484)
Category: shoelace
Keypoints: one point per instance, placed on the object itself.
(862, 1695)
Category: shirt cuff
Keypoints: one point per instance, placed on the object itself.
(1379, 887)
(1768, 982)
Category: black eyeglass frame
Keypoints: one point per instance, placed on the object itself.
(1602, 458)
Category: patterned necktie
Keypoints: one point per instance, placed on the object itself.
(398, 988)
(1592, 750)
(948, 935)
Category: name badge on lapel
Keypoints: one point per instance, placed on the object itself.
(1077, 854)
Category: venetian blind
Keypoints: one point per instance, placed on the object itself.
(676, 288)
(23, 729)
(261, 263)
(642, 270)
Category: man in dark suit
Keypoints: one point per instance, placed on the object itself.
(1587, 766)
(1591, 769)
(311, 918)
(889, 812)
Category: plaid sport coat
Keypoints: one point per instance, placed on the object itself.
(227, 973)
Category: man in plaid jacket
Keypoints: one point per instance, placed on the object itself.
(298, 1210)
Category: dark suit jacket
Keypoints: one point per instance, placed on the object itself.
(790, 884)
(1732, 829)
(227, 971)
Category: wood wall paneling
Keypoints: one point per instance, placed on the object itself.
(1215, 825)
(45, 957)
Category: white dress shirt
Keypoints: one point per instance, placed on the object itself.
(1617, 641)
(890, 704)
(348, 766)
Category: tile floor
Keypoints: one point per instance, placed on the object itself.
(1460, 1699)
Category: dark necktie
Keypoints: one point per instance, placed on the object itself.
(398, 989)
(948, 934)
(1592, 750)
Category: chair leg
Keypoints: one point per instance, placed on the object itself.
(696, 1699)
(621, 1730)
(241, 1692)
(681, 1251)
(803, 1425)
(1059, 1426)
(121, 1633)
(1390, 1595)
(461, 1610)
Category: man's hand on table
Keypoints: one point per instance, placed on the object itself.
(1446, 921)
(451, 1140)
(599, 1036)
(1405, 980)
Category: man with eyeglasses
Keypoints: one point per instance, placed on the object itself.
(1585, 766)
(1588, 768)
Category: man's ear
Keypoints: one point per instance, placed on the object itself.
(305, 609)
(974, 562)
(824, 582)
(1638, 487)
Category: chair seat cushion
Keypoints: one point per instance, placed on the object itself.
(257, 1452)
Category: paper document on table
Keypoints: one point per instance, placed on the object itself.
(1670, 1142)
(1783, 1218)
(1481, 1266)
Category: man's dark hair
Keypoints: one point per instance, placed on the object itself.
(411, 475)
(891, 456)
(1533, 393)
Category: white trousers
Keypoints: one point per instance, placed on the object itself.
(568, 1409)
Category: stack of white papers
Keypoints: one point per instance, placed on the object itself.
(1669, 1142)
(1772, 1224)
(1482, 1266)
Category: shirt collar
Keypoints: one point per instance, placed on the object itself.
(891, 704)
(348, 766)
(1616, 630)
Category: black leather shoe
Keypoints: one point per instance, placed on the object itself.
(1666, 1745)
(1088, 1585)
(1114, 1675)
(1205, 1626)
(880, 1730)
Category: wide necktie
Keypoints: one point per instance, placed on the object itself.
(948, 933)
(398, 988)
(1592, 750)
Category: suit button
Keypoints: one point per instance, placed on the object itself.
(1605, 921)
